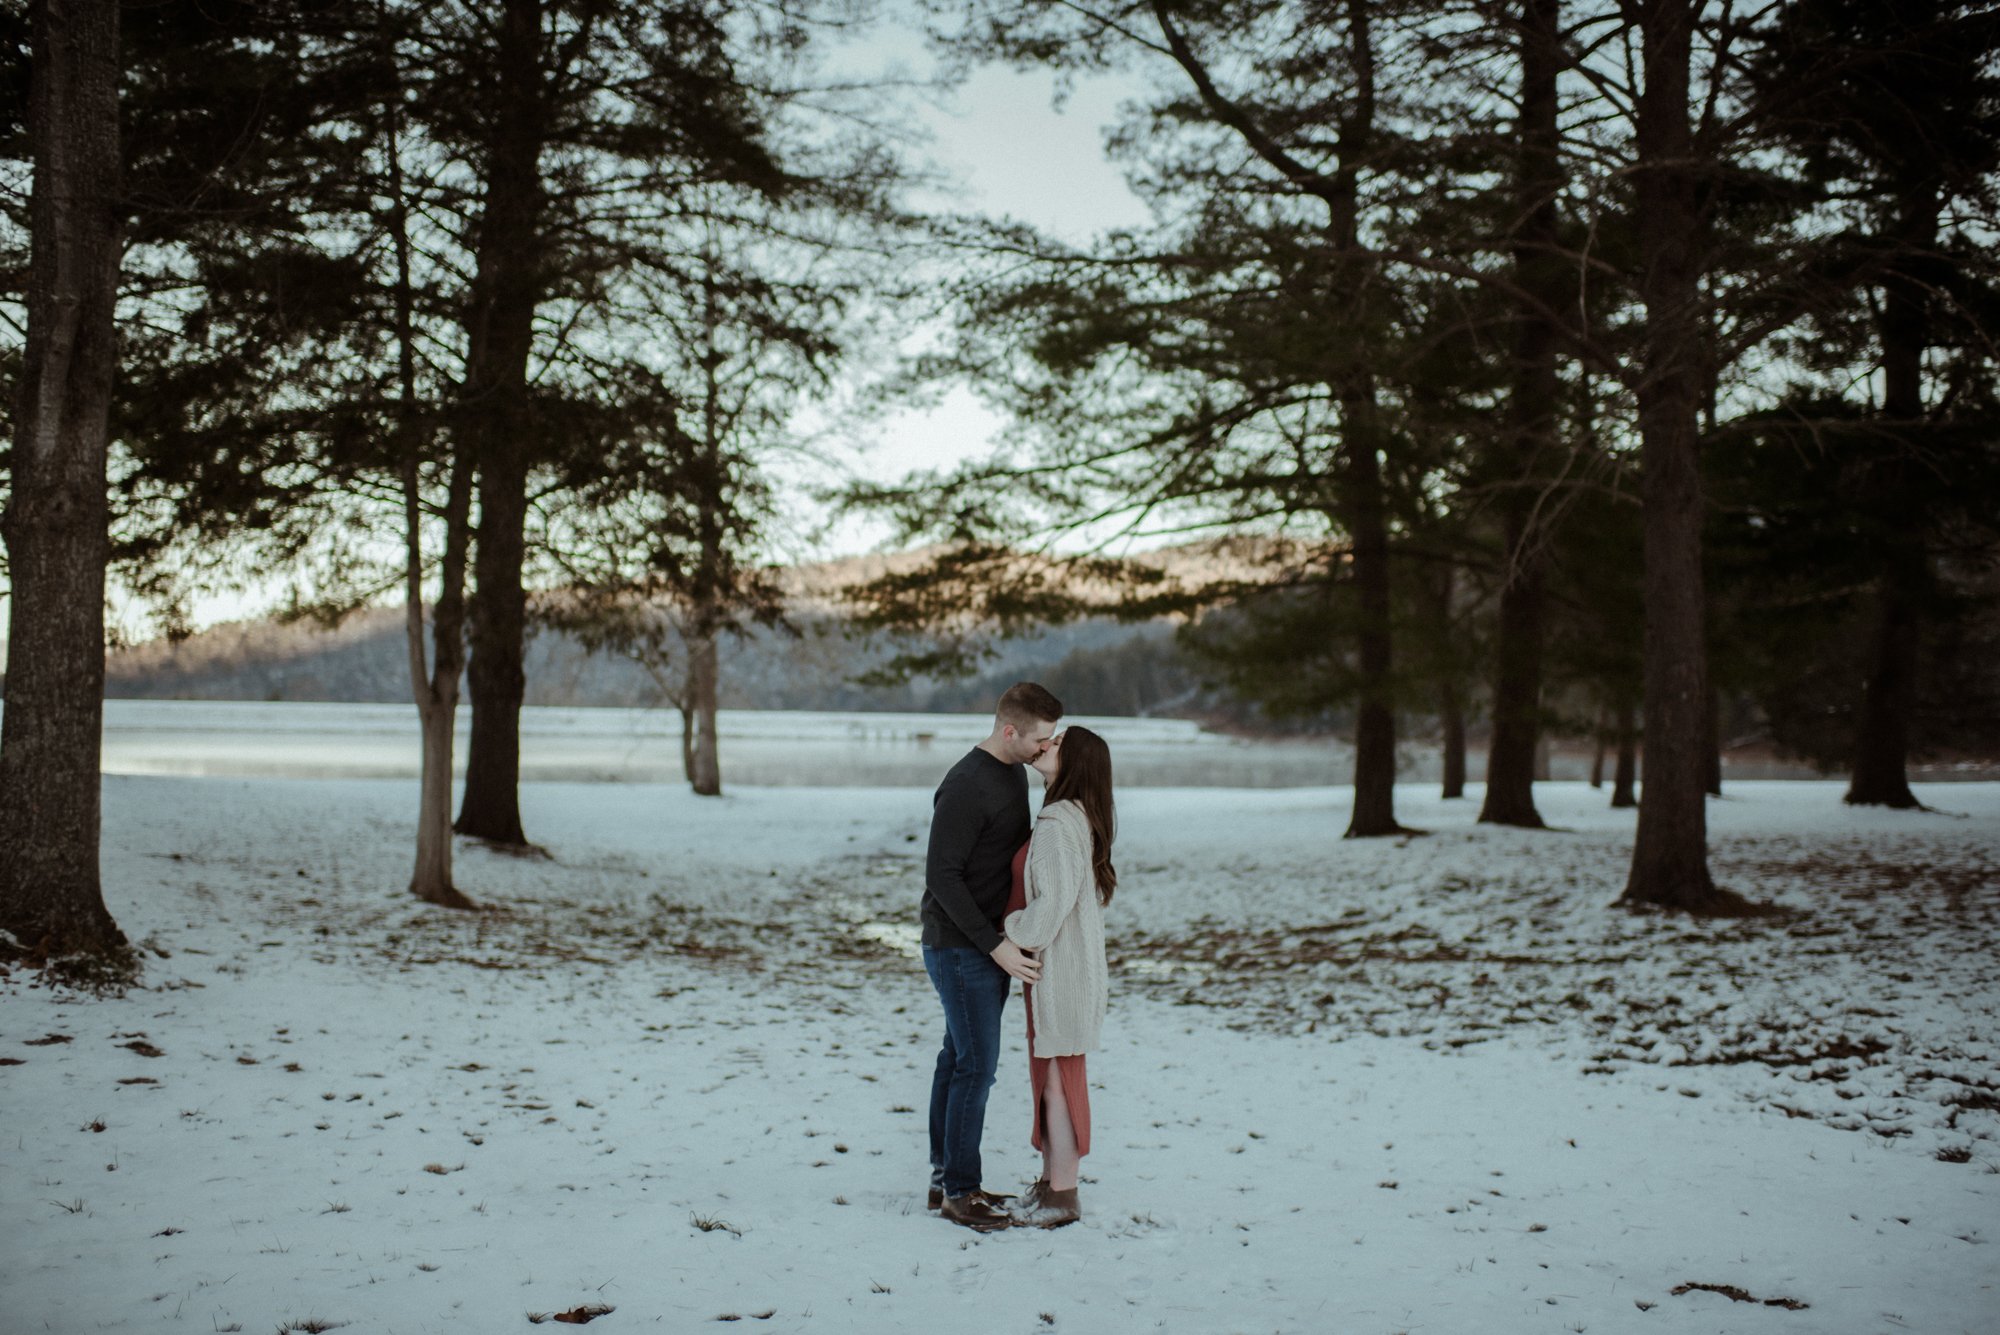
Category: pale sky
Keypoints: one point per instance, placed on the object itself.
(1013, 153)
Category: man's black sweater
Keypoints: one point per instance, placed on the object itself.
(979, 820)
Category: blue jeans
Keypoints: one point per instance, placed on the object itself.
(973, 990)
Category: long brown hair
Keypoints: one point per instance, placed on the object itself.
(1083, 776)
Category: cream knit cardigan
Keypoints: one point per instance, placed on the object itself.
(1064, 921)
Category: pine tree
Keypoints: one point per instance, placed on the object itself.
(1894, 110)
(57, 514)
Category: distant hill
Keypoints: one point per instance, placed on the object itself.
(1097, 666)
(1111, 668)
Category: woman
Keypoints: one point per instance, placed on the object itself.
(1063, 878)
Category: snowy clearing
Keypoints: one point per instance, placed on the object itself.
(1435, 1084)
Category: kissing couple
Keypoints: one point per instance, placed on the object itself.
(1006, 897)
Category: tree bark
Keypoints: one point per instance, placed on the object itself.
(1531, 438)
(707, 776)
(707, 591)
(1625, 780)
(436, 692)
(1882, 741)
(491, 806)
(1451, 689)
(1375, 716)
(500, 338)
(1597, 753)
(57, 517)
(1670, 853)
(1451, 718)
(687, 739)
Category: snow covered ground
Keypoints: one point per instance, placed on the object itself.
(1434, 1084)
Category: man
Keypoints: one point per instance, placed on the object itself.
(979, 820)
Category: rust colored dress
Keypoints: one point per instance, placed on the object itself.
(1076, 1088)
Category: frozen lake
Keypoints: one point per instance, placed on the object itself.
(761, 748)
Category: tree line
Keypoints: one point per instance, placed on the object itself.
(527, 292)
(1636, 353)
(1622, 353)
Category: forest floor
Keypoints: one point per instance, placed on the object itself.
(678, 1069)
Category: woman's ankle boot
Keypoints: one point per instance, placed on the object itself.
(1055, 1208)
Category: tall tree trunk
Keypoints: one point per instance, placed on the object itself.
(1540, 272)
(1451, 690)
(1882, 741)
(57, 517)
(1624, 782)
(1375, 715)
(1451, 719)
(1365, 501)
(687, 734)
(436, 692)
(706, 778)
(491, 806)
(1360, 502)
(1597, 754)
(712, 485)
(1882, 735)
(500, 337)
(1670, 852)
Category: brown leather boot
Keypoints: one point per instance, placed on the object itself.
(934, 1198)
(974, 1211)
(1054, 1209)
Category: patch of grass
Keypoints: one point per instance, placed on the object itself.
(1734, 1294)
(69, 1207)
(94, 1124)
(312, 1325)
(708, 1224)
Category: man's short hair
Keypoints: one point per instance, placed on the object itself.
(1026, 703)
